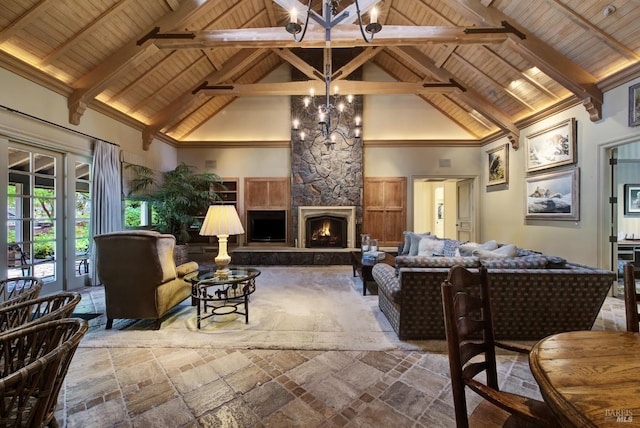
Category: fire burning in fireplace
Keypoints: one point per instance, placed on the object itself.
(327, 231)
(323, 231)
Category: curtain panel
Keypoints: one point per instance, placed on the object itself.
(106, 191)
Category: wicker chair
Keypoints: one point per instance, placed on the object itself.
(33, 363)
(19, 289)
(42, 309)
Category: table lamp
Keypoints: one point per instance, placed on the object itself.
(222, 221)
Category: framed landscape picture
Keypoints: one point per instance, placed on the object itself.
(497, 166)
(634, 105)
(632, 199)
(554, 196)
(551, 147)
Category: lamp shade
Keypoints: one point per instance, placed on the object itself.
(221, 220)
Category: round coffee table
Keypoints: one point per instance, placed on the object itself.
(223, 294)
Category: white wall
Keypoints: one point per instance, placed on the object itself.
(20, 94)
(266, 118)
(584, 241)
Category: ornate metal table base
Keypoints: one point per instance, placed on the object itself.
(223, 295)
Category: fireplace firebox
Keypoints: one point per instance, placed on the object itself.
(326, 232)
(266, 226)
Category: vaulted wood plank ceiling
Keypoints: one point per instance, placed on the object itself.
(169, 66)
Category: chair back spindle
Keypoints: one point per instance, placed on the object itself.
(631, 298)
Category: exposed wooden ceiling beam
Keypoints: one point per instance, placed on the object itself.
(413, 56)
(87, 31)
(24, 19)
(365, 56)
(606, 38)
(342, 36)
(352, 87)
(543, 56)
(240, 61)
(300, 64)
(93, 83)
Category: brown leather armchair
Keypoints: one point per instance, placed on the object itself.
(140, 278)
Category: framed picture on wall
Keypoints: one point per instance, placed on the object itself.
(551, 147)
(632, 199)
(554, 196)
(497, 165)
(634, 105)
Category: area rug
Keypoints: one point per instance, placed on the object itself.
(315, 308)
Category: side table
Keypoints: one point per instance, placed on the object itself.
(363, 268)
(222, 294)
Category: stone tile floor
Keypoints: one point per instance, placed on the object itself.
(182, 387)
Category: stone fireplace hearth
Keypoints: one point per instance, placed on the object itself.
(347, 213)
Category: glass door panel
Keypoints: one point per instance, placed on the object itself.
(33, 224)
(82, 216)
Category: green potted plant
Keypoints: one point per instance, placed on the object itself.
(180, 196)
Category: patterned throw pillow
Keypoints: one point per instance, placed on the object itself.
(450, 247)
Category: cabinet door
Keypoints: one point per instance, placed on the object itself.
(266, 193)
(385, 213)
(256, 194)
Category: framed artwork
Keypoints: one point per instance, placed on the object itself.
(634, 105)
(632, 199)
(554, 146)
(497, 167)
(554, 196)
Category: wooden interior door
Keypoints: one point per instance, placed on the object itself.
(385, 209)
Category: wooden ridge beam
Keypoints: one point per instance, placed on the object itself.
(352, 87)
(342, 36)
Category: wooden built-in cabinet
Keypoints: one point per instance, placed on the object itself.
(264, 193)
(268, 194)
(385, 209)
(228, 192)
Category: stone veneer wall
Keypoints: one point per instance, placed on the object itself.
(325, 178)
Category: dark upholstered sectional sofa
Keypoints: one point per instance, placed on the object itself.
(533, 296)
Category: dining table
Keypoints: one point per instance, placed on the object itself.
(590, 378)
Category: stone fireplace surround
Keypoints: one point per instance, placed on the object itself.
(346, 212)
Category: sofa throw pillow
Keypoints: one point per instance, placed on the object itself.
(429, 246)
(415, 242)
(451, 248)
(501, 252)
(466, 250)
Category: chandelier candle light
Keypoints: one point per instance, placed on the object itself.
(336, 118)
(222, 221)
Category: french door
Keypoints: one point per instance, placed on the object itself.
(47, 206)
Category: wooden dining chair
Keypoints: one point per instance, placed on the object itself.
(471, 345)
(631, 298)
